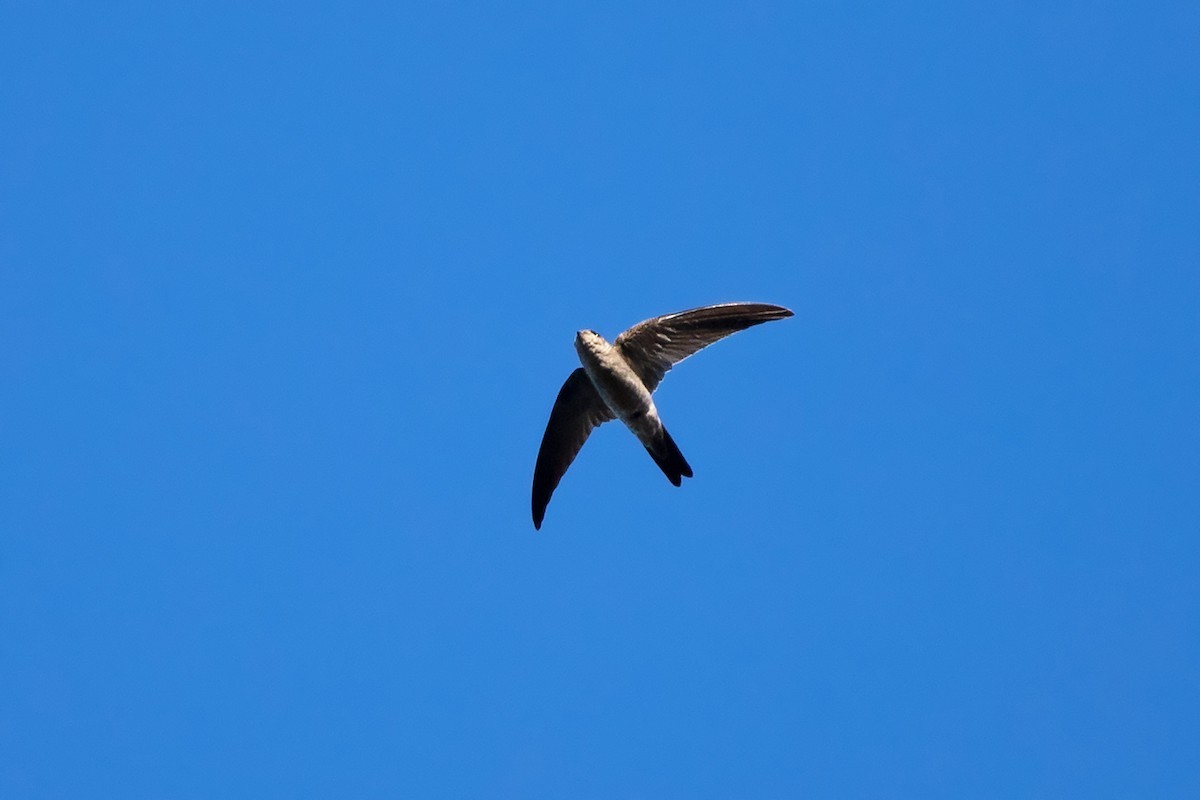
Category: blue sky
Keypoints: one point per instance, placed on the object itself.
(286, 294)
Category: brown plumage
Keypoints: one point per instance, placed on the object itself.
(617, 380)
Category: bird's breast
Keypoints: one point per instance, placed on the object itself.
(620, 387)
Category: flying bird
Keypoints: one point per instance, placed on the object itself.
(617, 380)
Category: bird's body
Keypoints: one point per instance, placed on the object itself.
(618, 385)
(628, 399)
(617, 382)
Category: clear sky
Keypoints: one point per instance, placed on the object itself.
(286, 294)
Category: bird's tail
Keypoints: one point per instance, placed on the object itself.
(666, 454)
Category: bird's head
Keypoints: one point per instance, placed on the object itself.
(590, 341)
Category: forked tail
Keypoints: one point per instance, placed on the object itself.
(666, 454)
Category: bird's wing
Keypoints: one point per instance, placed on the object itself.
(577, 410)
(654, 346)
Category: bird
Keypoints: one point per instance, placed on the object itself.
(617, 380)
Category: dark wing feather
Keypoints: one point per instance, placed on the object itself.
(577, 410)
(654, 346)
